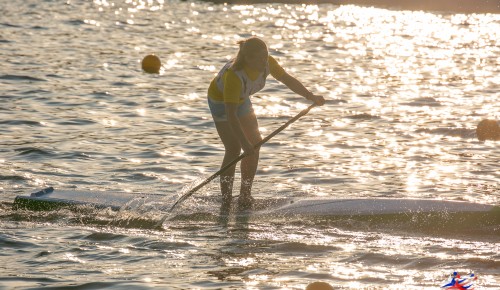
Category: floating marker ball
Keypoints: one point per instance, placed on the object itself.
(488, 130)
(151, 64)
(319, 286)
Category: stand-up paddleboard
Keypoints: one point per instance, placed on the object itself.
(377, 206)
(51, 199)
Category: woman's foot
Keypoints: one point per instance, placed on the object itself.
(245, 202)
(226, 200)
(225, 206)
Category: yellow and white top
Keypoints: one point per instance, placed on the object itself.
(233, 87)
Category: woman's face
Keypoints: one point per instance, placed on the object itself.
(257, 60)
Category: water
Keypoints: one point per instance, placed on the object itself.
(405, 91)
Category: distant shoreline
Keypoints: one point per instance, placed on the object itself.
(450, 6)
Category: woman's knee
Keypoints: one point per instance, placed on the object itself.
(251, 128)
(232, 149)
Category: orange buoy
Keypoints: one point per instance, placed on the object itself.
(488, 130)
(151, 64)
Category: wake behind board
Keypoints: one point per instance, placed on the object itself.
(51, 199)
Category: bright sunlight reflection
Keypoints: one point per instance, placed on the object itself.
(401, 67)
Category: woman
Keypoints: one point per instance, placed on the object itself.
(229, 101)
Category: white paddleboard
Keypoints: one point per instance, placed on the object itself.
(50, 199)
(375, 206)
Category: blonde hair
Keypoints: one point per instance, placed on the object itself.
(249, 46)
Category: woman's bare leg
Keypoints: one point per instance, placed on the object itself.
(249, 164)
(232, 151)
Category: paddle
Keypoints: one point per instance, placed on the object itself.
(227, 166)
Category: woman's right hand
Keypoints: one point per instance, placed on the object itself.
(318, 100)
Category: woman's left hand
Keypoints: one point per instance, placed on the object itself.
(318, 100)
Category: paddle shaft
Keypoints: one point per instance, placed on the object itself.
(228, 165)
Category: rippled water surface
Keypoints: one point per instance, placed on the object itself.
(405, 92)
